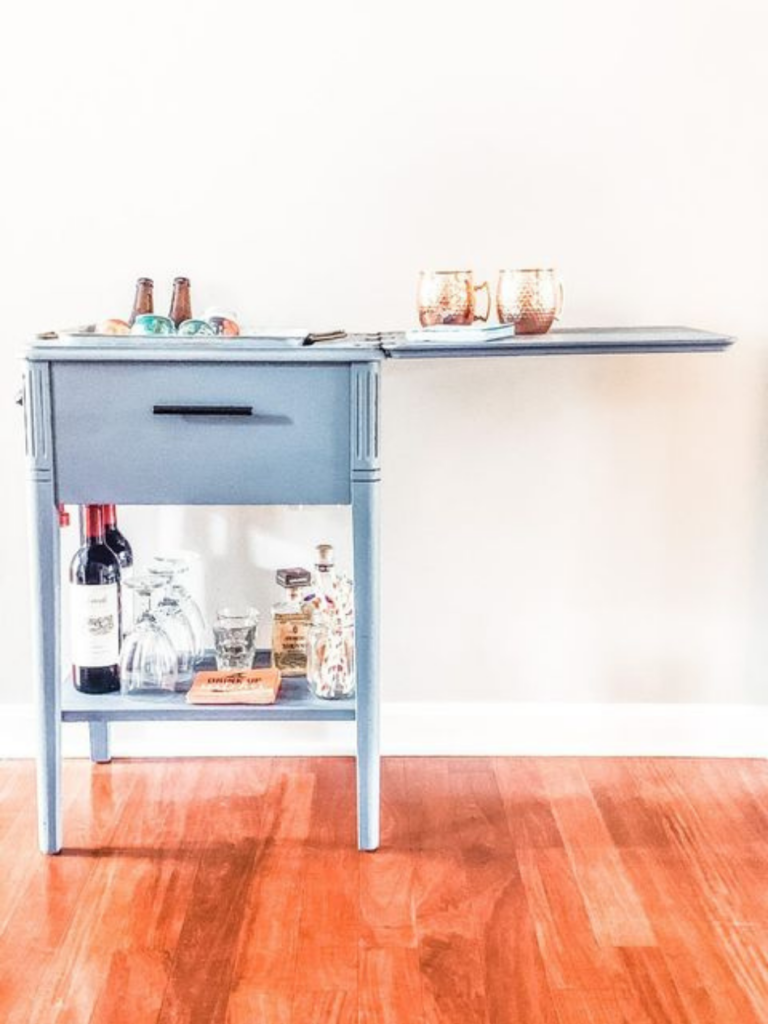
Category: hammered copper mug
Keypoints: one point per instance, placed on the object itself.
(448, 297)
(530, 299)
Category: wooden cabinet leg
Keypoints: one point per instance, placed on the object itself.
(44, 582)
(98, 734)
(365, 517)
(366, 477)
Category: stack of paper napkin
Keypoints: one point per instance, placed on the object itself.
(446, 334)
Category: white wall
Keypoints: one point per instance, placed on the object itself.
(587, 529)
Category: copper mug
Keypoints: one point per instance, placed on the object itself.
(530, 299)
(449, 297)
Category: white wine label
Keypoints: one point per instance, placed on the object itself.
(95, 625)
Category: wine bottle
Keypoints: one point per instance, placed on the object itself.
(94, 577)
(117, 542)
(181, 303)
(143, 301)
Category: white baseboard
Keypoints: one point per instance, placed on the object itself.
(545, 729)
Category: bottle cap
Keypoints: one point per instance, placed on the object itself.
(325, 554)
(93, 521)
(295, 577)
(63, 516)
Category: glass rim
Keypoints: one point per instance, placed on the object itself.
(147, 580)
(230, 613)
(180, 561)
(423, 272)
(528, 270)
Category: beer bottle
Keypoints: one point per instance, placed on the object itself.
(181, 304)
(142, 302)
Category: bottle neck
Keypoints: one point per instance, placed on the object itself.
(181, 306)
(143, 302)
(109, 513)
(323, 578)
(93, 524)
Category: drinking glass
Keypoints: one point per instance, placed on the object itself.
(148, 663)
(330, 657)
(234, 634)
(530, 299)
(177, 566)
(176, 624)
(449, 296)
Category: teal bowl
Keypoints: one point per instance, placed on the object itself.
(152, 324)
(195, 328)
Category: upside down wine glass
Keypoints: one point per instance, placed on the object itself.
(174, 621)
(148, 662)
(178, 566)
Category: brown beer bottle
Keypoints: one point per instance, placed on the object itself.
(142, 302)
(181, 304)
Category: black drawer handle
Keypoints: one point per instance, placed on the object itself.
(203, 410)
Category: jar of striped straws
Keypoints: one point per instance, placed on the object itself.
(331, 656)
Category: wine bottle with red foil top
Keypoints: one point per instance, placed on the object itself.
(117, 541)
(94, 577)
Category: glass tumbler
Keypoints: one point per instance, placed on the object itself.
(234, 635)
(148, 663)
(530, 299)
(449, 297)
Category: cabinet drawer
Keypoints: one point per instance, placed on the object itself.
(204, 434)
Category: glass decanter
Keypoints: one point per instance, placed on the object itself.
(291, 617)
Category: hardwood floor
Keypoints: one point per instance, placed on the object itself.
(507, 891)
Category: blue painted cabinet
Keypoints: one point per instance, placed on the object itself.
(180, 421)
(257, 430)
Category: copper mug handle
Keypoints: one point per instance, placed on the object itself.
(559, 308)
(479, 288)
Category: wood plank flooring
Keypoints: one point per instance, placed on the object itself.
(506, 891)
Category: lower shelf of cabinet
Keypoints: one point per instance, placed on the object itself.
(294, 703)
